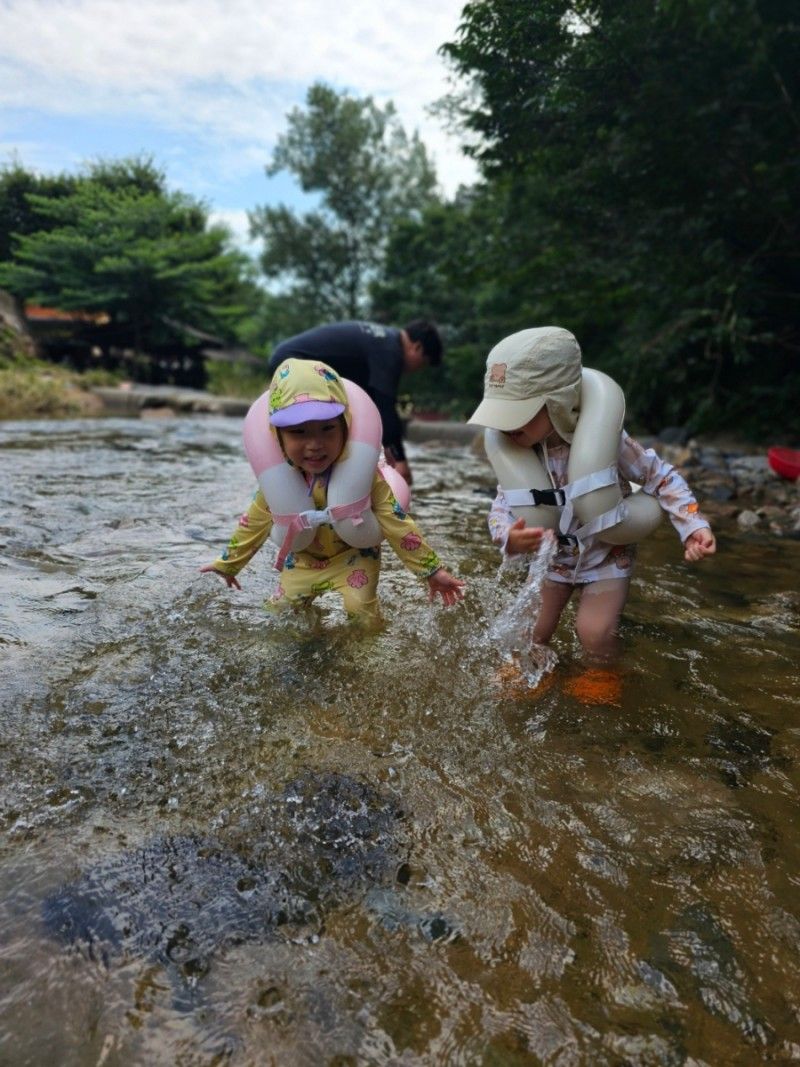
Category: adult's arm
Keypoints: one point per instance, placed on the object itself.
(392, 425)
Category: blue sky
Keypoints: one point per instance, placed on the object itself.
(203, 86)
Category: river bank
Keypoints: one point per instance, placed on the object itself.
(731, 478)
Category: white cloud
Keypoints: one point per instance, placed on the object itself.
(227, 71)
(239, 225)
(156, 43)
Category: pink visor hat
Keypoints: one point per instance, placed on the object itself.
(306, 411)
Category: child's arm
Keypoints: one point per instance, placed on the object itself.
(443, 584)
(231, 580)
(250, 534)
(699, 544)
(661, 480)
(513, 536)
(409, 545)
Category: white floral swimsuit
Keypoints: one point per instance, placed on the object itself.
(595, 560)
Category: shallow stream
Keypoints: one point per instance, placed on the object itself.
(558, 883)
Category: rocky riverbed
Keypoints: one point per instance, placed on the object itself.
(734, 482)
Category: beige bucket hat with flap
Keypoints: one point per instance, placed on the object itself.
(525, 372)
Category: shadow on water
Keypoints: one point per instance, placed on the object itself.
(473, 872)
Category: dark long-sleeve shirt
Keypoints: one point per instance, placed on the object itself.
(366, 353)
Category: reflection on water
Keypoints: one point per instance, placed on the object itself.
(562, 883)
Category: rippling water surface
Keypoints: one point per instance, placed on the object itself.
(558, 883)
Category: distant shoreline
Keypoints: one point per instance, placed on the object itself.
(150, 400)
(731, 478)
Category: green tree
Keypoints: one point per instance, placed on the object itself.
(119, 243)
(442, 265)
(367, 173)
(647, 159)
(17, 216)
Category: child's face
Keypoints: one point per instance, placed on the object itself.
(314, 446)
(533, 432)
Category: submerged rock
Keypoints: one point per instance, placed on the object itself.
(747, 519)
(181, 899)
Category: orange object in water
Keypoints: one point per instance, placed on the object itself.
(596, 686)
(511, 682)
(785, 461)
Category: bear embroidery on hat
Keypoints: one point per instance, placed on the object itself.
(497, 373)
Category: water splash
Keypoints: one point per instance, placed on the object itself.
(512, 631)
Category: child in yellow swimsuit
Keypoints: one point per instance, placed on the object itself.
(310, 420)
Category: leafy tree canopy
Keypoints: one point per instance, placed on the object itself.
(642, 164)
(17, 216)
(117, 241)
(367, 174)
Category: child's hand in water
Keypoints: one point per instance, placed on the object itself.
(448, 587)
(699, 544)
(522, 538)
(230, 581)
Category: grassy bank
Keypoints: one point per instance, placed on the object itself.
(232, 379)
(33, 389)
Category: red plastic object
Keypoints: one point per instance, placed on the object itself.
(785, 461)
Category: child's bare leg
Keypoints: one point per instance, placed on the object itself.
(554, 599)
(599, 611)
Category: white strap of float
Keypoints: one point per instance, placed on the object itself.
(596, 480)
(564, 497)
(590, 482)
(603, 522)
(294, 523)
(310, 519)
(304, 520)
(354, 511)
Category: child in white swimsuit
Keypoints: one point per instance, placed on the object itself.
(532, 394)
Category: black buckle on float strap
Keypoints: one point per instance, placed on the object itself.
(553, 498)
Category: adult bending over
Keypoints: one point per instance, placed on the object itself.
(374, 357)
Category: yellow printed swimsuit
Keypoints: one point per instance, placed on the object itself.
(329, 564)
